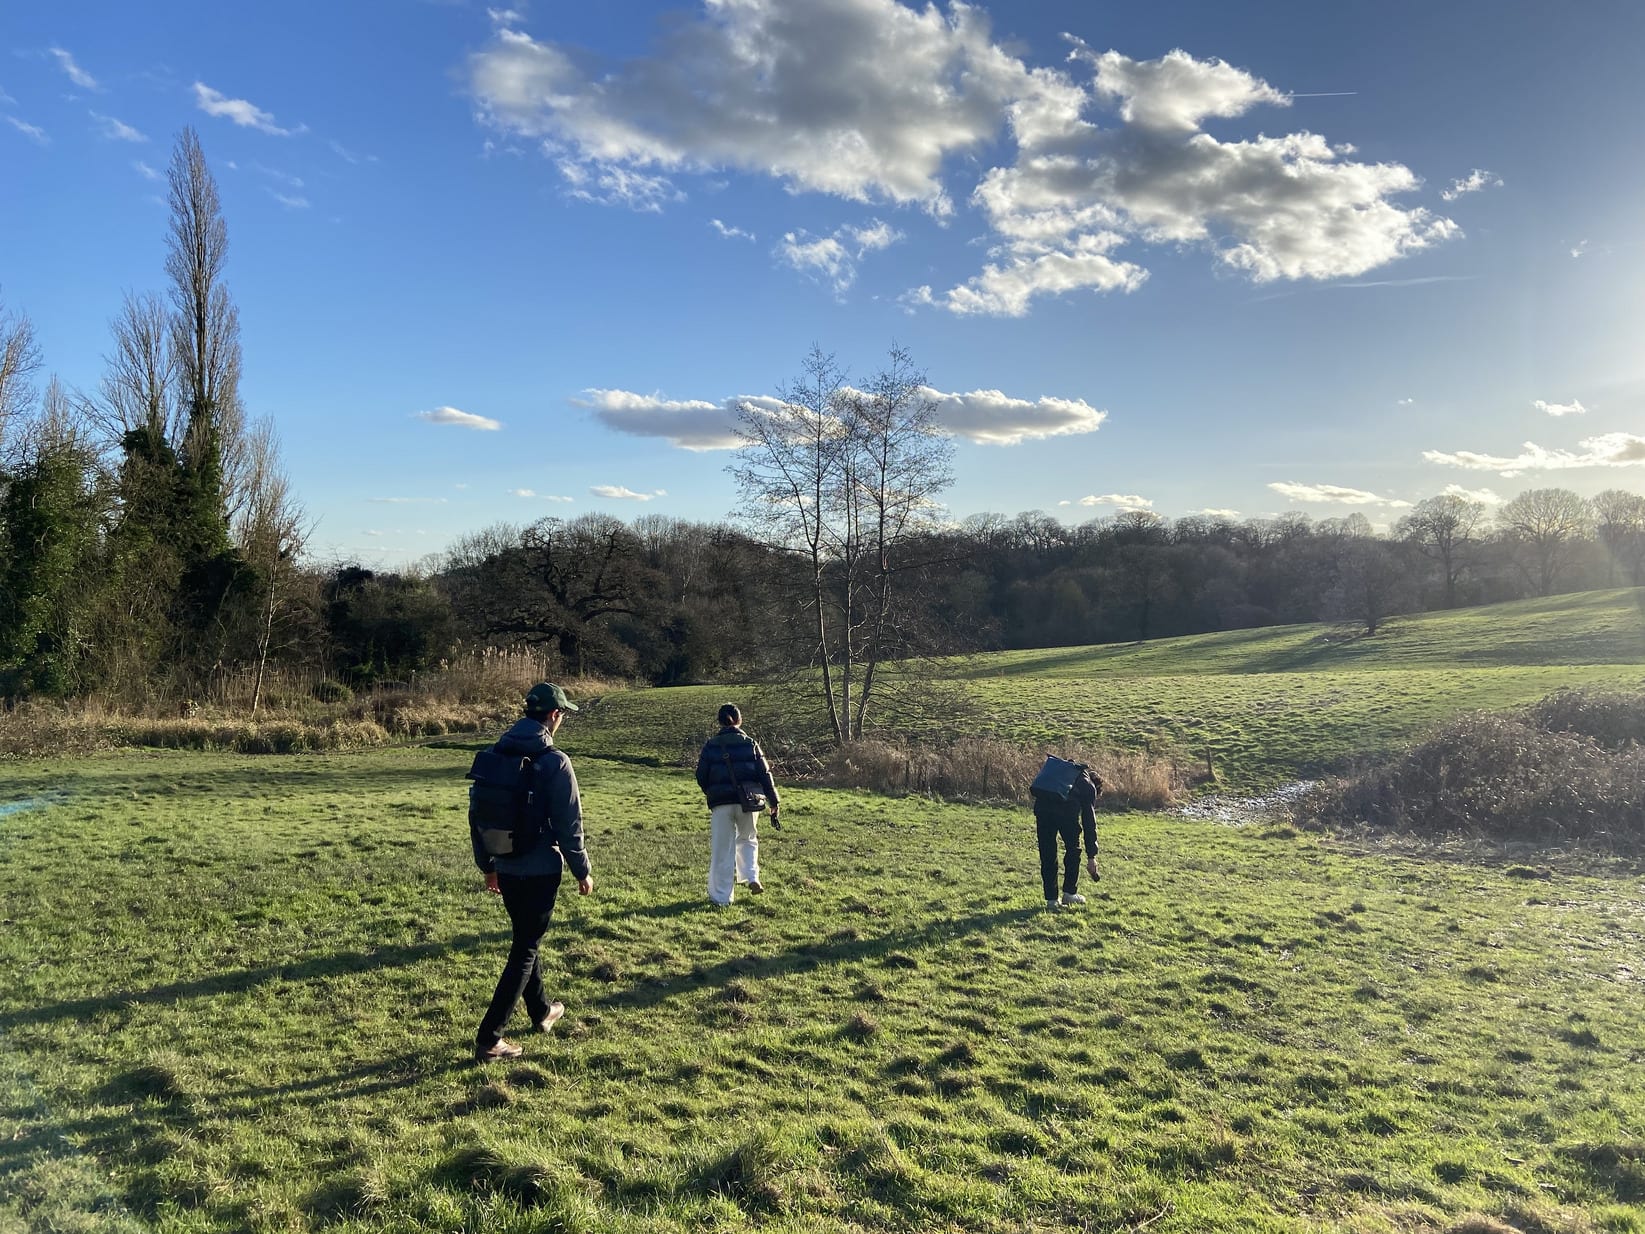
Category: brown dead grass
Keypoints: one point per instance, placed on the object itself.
(985, 769)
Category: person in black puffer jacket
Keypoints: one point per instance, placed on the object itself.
(729, 758)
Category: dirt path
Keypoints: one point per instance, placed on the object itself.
(1235, 811)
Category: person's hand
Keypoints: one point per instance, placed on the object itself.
(585, 885)
(1091, 869)
(773, 817)
(491, 883)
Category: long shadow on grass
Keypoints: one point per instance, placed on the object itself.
(806, 957)
(247, 979)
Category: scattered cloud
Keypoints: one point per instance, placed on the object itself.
(619, 493)
(1485, 496)
(350, 156)
(1579, 248)
(987, 417)
(834, 258)
(1407, 402)
(117, 130)
(1573, 408)
(730, 233)
(1120, 501)
(1472, 183)
(147, 172)
(73, 71)
(4, 97)
(1606, 450)
(283, 177)
(408, 501)
(290, 201)
(33, 132)
(462, 419)
(241, 112)
(1213, 512)
(502, 18)
(1334, 494)
(872, 100)
(536, 496)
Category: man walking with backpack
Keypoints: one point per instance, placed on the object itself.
(1062, 818)
(526, 825)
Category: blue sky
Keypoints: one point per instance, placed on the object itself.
(1197, 256)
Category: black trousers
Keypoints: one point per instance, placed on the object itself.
(1049, 831)
(530, 904)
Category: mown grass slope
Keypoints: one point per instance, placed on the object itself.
(1267, 705)
(240, 994)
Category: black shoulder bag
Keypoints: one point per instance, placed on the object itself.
(750, 796)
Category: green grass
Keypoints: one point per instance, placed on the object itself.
(240, 992)
(1270, 705)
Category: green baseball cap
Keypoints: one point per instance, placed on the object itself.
(546, 696)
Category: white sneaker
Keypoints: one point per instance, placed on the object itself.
(1053, 905)
(1072, 897)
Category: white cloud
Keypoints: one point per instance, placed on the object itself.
(1213, 512)
(993, 418)
(1579, 248)
(245, 114)
(1407, 402)
(1606, 450)
(620, 493)
(1334, 494)
(284, 177)
(834, 258)
(33, 132)
(873, 100)
(1472, 183)
(987, 417)
(290, 201)
(4, 97)
(1120, 501)
(73, 71)
(691, 424)
(462, 419)
(730, 233)
(1573, 408)
(863, 99)
(147, 172)
(526, 492)
(408, 501)
(117, 130)
(1485, 496)
(506, 17)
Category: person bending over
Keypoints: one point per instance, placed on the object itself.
(1054, 819)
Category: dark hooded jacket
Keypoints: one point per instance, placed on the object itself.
(554, 793)
(1079, 810)
(747, 765)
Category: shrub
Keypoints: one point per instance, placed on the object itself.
(329, 691)
(1612, 718)
(1500, 777)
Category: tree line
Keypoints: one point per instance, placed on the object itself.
(151, 546)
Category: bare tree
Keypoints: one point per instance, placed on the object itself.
(205, 330)
(1445, 529)
(270, 532)
(19, 361)
(898, 461)
(1543, 528)
(136, 391)
(790, 471)
(1372, 585)
(1619, 518)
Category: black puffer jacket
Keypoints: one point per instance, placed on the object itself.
(747, 766)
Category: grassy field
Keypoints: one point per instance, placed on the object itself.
(240, 993)
(1270, 705)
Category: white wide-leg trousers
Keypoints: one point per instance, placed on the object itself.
(734, 851)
